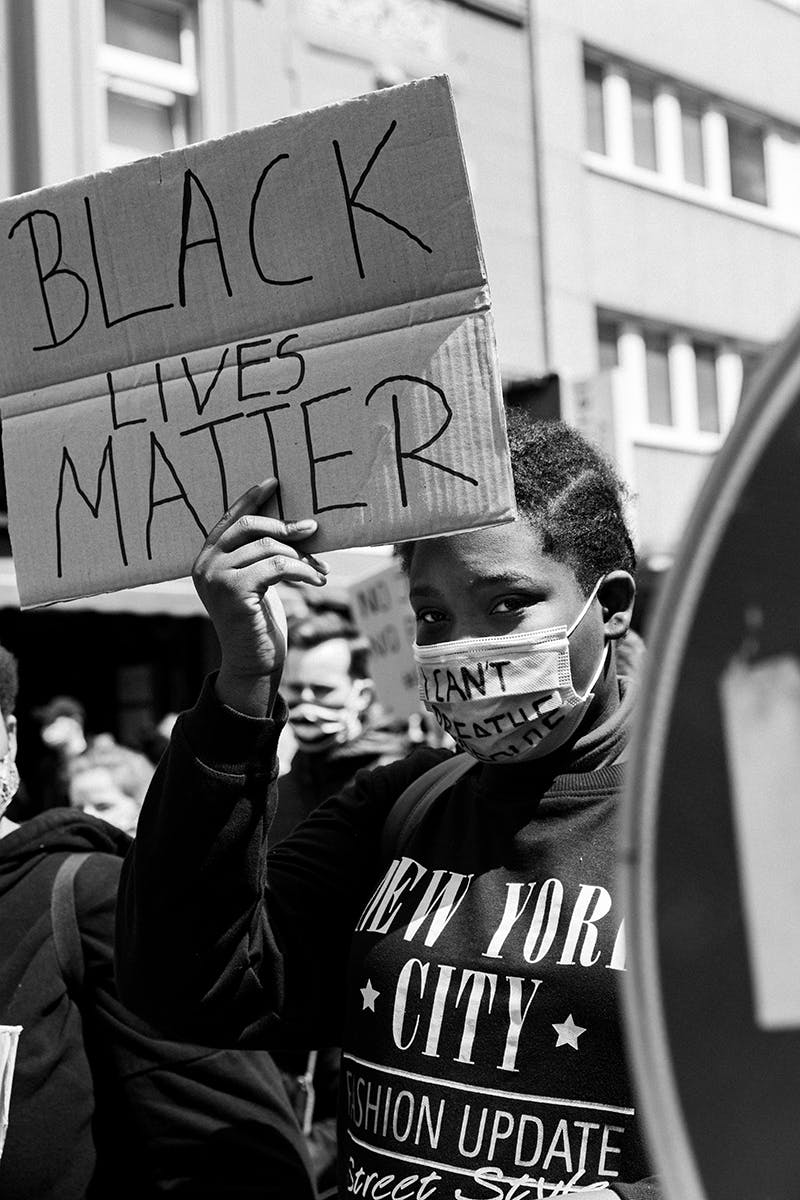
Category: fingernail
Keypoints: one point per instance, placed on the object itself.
(319, 563)
(305, 526)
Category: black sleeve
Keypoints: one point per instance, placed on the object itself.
(188, 1121)
(218, 940)
(642, 1189)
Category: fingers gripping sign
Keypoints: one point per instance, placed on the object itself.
(245, 554)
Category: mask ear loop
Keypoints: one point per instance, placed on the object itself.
(586, 606)
(574, 626)
(598, 672)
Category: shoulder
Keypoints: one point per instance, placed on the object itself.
(393, 778)
(362, 805)
(96, 883)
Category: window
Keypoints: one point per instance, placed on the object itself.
(140, 126)
(148, 65)
(721, 149)
(694, 169)
(748, 174)
(705, 357)
(595, 123)
(607, 335)
(681, 388)
(644, 125)
(659, 400)
(751, 361)
(144, 28)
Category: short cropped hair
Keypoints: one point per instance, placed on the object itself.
(9, 682)
(571, 494)
(322, 625)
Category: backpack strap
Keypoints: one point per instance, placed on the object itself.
(66, 934)
(411, 805)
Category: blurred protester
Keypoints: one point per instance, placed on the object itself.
(103, 1107)
(338, 727)
(62, 730)
(63, 723)
(110, 781)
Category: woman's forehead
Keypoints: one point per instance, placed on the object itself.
(512, 549)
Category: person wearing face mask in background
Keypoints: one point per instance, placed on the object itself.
(337, 724)
(453, 920)
(338, 729)
(61, 738)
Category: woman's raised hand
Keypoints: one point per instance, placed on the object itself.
(243, 556)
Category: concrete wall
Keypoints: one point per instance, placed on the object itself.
(558, 72)
(669, 259)
(613, 243)
(720, 47)
(490, 65)
(666, 484)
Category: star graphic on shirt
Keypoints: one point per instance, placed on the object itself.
(370, 996)
(568, 1033)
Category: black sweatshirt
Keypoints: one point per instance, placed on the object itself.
(102, 1106)
(471, 975)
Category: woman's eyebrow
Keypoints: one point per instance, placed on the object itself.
(508, 579)
(424, 592)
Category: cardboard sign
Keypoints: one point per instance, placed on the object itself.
(306, 300)
(9, 1038)
(382, 612)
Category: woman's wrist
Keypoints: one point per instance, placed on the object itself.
(251, 695)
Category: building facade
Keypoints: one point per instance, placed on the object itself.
(670, 173)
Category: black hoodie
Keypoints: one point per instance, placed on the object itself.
(101, 1106)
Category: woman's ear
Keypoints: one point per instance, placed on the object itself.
(616, 594)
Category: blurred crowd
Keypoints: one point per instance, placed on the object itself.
(114, 1090)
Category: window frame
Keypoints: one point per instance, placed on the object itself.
(752, 125)
(694, 109)
(646, 86)
(146, 78)
(684, 432)
(650, 335)
(595, 65)
(699, 346)
(618, 157)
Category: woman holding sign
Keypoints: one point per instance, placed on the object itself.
(461, 939)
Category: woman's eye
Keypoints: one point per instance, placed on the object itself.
(510, 604)
(429, 616)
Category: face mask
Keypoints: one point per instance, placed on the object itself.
(507, 698)
(9, 781)
(319, 727)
